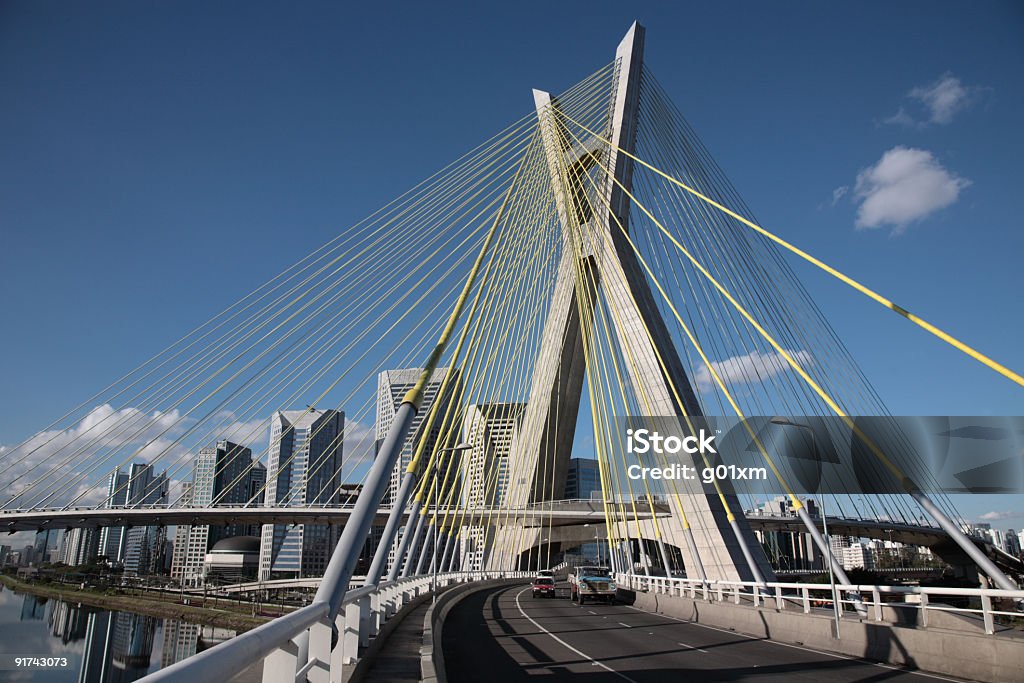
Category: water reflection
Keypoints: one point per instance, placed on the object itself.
(103, 646)
(118, 647)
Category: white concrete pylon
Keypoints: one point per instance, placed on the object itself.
(654, 369)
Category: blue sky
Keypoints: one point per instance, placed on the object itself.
(160, 160)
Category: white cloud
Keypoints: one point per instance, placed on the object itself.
(839, 193)
(755, 366)
(936, 103)
(359, 441)
(906, 185)
(943, 98)
(901, 117)
(1000, 515)
(56, 467)
(253, 433)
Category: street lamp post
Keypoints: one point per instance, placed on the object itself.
(831, 574)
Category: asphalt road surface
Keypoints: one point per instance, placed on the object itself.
(505, 635)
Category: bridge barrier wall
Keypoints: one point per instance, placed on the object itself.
(355, 672)
(432, 653)
(964, 652)
(304, 645)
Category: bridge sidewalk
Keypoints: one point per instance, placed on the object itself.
(400, 659)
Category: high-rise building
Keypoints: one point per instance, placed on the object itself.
(489, 429)
(46, 540)
(79, 546)
(583, 482)
(857, 555)
(222, 475)
(1011, 543)
(181, 533)
(144, 545)
(583, 479)
(112, 537)
(392, 385)
(257, 482)
(138, 487)
(303, 469)
(143, 550)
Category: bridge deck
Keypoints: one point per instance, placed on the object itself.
(522, 638)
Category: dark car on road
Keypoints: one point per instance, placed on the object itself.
(543, 587)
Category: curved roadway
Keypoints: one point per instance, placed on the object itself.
(505, 635)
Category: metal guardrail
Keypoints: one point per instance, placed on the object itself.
(303, 645)
(805, 596)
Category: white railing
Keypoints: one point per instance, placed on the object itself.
(989, 603)
(298, 646)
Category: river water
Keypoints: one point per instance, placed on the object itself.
(100, 646)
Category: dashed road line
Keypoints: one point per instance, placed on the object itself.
(593, 661)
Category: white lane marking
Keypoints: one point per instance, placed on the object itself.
(800, 647)
(592, 611)
(626, 625)
(593, 661)
(694, 648)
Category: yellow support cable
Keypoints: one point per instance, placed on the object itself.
(924, 324)
(707, 362)
(729, 514)
(505, 328)
(586, 304)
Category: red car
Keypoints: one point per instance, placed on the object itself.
(543, 588)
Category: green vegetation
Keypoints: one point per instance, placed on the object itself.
(224, 614)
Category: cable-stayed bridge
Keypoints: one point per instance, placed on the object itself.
(591, 256)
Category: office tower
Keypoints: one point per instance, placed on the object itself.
(137, 548)
(583, 479)
(857, 555)
(143, 550)
(583, 482)
(392, 386)
(46, 540)
(257, 488)
(839, 544)
(304, 463)
(222, 476)
(489, 428)
(79, 546)
(112, 537)
(181, 533)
